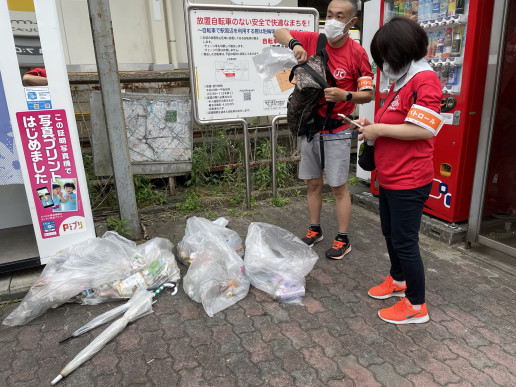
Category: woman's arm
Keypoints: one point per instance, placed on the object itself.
(405, 131)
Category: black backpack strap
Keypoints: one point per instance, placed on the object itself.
(321, 46)
(414, 94)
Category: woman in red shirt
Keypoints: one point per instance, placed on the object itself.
(404, 131)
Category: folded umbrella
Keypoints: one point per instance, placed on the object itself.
(112, 314)
(140, 305)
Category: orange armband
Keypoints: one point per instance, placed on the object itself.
(425, 118)
(365, 83)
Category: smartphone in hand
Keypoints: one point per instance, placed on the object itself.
(349, 121)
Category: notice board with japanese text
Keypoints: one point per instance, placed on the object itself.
(222, 42)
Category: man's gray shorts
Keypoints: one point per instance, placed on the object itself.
(336, 158)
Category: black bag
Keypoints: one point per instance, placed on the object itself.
(304, 102)
(366, 157)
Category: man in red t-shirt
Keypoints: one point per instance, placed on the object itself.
(36, 77)
(349, 66)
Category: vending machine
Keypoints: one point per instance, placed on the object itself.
(458, 53)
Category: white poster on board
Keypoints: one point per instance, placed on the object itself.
(223, 45)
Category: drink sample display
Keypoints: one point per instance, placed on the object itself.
(445, 23)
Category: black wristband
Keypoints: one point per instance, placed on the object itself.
(293, 43)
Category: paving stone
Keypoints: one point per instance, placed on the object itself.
(441, 373)
(306, 377)
(365, 354)
(335, 339)
(402, 363)
(495, 353)
(462, 368)
(387, 376)
(192, 378)
(247, 373)
(360, 375)
(133, 366)
(241, 323)
(291, 359)
(422, 378)
(255, 345)
(326, 368)
(330, 345)
(274, 375)
(228, 341)
(276, 311)
(213, 363)
(501, 375)
(476, 358)
(155, 346)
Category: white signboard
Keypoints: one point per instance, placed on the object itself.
(256, 2)
(24, 23)
(46, 138)
(222, 45)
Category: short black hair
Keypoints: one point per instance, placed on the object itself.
(72, 185)
(353, 4)
(399, 42)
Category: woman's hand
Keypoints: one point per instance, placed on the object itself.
(369, 130)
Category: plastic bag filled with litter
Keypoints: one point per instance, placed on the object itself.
(273, 60)
(276, 262)
(195, 231)
(215, 277)
(98, 270)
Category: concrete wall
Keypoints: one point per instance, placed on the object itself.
(149, 34)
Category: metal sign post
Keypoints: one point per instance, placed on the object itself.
(222, 40)
(107, 68)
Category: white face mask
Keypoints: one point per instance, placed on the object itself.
(387, 71)
(334, 29)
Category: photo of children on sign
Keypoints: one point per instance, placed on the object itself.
(51, 166)
(64, 195)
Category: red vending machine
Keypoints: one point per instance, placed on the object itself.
(458, 34)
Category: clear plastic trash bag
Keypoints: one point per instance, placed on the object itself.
(276, 262)
(98, 270)
(273, 60)
(195, 231)
(215, 277)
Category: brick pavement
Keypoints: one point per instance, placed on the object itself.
(335, 339)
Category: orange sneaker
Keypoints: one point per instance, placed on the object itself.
(312, 237)
(403, 313)
(387, 289)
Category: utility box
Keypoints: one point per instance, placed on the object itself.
(159, 134)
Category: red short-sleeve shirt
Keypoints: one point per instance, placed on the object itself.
(349, 65)
(38, 71)
(402, 164)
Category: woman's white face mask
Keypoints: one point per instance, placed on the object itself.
(334, 29)
(387, 71)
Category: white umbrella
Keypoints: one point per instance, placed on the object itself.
(112, 314)
(140, 305)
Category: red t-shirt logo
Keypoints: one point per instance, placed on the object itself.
(395, 104)
(339, 73)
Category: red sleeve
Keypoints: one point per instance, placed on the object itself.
(307, 39)
(38, 71)
(429, 91)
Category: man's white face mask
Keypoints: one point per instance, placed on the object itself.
(387, 71)
(334, 29)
